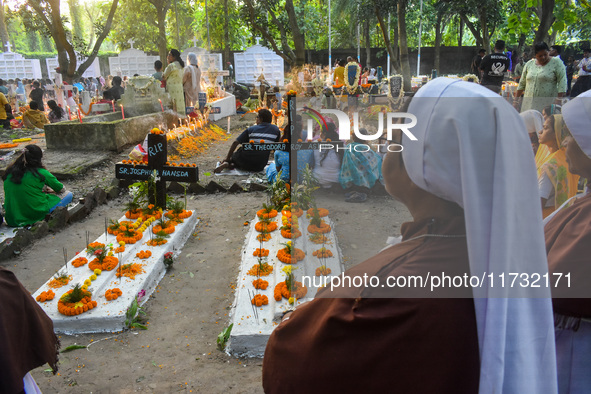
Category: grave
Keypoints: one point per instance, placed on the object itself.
(104, 132)
(256, 61)
(110, 315)
(92, 71)
(132, 61)
(250, 332)
(14, 65)
(206, 61)
(143, 95)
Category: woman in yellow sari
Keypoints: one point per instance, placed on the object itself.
(555, 182)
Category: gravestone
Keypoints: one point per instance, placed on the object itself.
(395, 84)
(257, 60)
(143, 95)
(132, 61)
(92, 71)
(14, 65)
(157, 157)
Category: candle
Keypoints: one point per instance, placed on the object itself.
(113, 104)
(122, 112)
(79, 116)
(69, 115)
(228, 131)
(161, 106)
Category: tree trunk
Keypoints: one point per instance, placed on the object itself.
(298, 37)
(3, 30)
(438, 37)
(386, 35)
(404, 62)
(366, 38)
(484, 31)
(76, 21)
(162, 47)
(226, 32)
(546, 16)
(475, 32)
(520, 45)
(461, 32)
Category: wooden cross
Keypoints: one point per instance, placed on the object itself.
(194, 42)
(157, 157)
(131, 41)
(8, 46)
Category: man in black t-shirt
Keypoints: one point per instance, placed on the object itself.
(494, 67)
(37, 95)
(252, 160)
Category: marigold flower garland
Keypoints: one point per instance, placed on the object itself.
(130, 270)
(264, 237)
(45, 296)
(79, 262)
(262, 269)
(322, 228)
(266, 213)
(265, 226)
(113, 294)
(260, 252)
(144, 254)
(322, 212)
(260, 284)
(323, 271)
(260, 300)
(57, 282)
(281, 291)
(75, 302)
(322, 253)
(290, 256)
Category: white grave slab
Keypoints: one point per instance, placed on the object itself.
(109, 316)
(226, 105)
(14, 65)
(93, 70)
(132, 61)
(257, 60)
(249, 336)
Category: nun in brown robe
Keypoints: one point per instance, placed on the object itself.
(27, 340)
(411, 340)
(568, 243)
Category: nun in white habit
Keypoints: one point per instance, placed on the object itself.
(192, 81)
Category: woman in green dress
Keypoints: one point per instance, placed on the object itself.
(543, 80)
(26, 182)
(173, 75)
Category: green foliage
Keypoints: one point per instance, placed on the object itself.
(223, 337)
(132, 319)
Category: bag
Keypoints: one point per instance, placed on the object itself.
(138, 153)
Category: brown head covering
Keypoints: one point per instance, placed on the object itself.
(27, 340)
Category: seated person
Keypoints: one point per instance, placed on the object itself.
(384, 339)
(361, 168)
(252, 160)
(4, 105)
(116, 91)
(57, 113)
(25, 183)
(281, 163)
(327, 164)
(568, 242)
(33, 117)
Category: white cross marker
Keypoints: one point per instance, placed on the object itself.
(131, 41)
(194, 42)
(258, 39)
(8, 46)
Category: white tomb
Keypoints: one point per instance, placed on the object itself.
(257, 60)
(109, 316)
(206, 60)
(93, 70)
(132, 61)
(251, 332)
(14, 65)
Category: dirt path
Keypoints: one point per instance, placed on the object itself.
(192, 303)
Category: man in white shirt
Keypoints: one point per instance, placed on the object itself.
(584, 81)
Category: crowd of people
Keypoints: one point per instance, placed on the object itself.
(182, 83)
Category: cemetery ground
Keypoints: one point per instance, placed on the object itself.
(192, 304)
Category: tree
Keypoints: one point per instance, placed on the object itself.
(404, 59)
(3, 30)
(381, 9)
(162, 7)
(51, 20)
